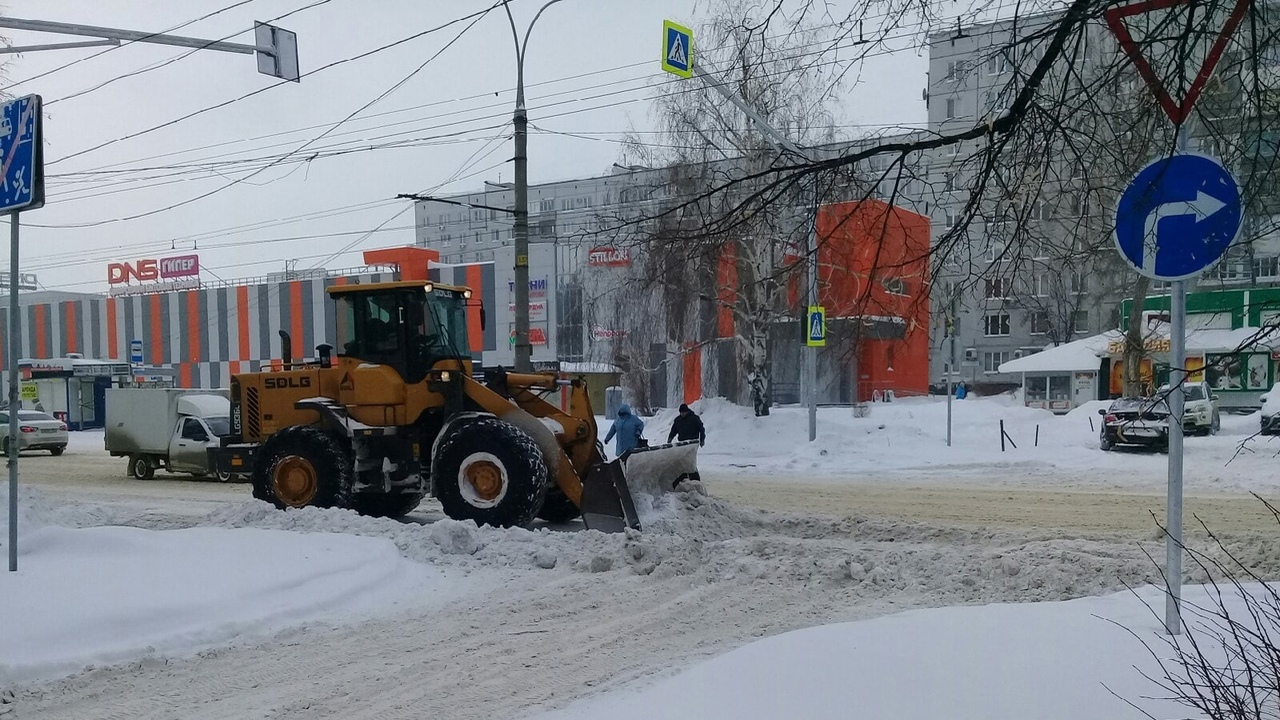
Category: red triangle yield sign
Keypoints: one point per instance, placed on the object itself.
(1177, 111)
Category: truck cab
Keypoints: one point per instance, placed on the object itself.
(191, 440)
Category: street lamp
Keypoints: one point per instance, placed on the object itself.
(524, 350)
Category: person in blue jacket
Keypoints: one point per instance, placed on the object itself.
(962, 391)
(628, 428)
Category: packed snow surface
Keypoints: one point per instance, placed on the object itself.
(105, 594)
(1050, 661)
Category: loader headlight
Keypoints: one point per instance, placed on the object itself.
(445, 376)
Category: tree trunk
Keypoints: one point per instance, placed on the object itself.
(1134, 351)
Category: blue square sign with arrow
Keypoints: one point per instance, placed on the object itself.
(21, 155)
(1178, 216)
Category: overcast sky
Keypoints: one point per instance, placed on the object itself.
(590, 68)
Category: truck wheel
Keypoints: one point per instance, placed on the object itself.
(56, 451)
(557, 507)
(383, 505)
(491, 472)
(300, 466)
(140, 467)
(223, 475)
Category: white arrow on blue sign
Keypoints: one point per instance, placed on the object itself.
(1178, 216)
(21, 156)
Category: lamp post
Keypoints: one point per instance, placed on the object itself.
(524, 350)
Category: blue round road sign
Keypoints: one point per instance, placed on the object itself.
(1178, 216)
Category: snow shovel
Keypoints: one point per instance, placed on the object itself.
(616, 494)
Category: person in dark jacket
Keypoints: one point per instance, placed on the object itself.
(628, 428)
(688, 426)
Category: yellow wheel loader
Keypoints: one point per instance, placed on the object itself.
(396, 414)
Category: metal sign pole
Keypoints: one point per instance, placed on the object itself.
(951, 366)
(1177, 378)
(15, 328)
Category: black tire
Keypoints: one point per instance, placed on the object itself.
(557, 507)
(140, 467)
(1216, 424)
(1105, 444)
(56, 451)
(4, 447)
(382, 505)
(223, 475)
(506, 456)
(303, 466)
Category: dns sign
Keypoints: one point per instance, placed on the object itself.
(151, 270)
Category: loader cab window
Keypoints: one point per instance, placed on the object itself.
(370, 327)
(405, 329)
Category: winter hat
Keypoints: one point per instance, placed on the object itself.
(625, 409)
(684, 408)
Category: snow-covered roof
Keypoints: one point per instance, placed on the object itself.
(1075, 356)
(588, 367)
(1087, 353)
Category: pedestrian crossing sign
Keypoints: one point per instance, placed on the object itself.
(816, 326)
(677, 49)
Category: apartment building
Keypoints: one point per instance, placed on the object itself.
(1036, 266)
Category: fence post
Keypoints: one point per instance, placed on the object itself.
(1002, 436)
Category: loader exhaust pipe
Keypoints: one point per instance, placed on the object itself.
(286, 350)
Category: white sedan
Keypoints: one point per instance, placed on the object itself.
(36, 431)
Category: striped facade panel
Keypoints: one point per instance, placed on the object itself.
(205, 335)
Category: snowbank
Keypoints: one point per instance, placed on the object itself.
(1036, 660)
(911, 435)
(107, 594)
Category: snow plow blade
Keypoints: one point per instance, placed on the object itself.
(616, 494)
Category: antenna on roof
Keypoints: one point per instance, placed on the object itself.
(959, 30)
(861, 40)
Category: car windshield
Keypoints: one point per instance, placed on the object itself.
(220, 426)
(34, 416)
(1190, 392)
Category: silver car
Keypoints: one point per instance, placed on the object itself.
(36, 431)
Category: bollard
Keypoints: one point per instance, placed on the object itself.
(1002, 435)
(1037, 443)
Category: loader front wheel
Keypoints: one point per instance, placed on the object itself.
(558, 508)
(491, 472)
(301, 466)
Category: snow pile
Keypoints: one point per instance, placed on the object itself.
(910, 434)
(107, 594)
(1045, 660)
(706, 540)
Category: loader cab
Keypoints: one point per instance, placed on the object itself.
(407, 326)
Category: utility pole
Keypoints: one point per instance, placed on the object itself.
(520, 119)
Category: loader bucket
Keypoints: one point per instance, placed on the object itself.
(616, 495)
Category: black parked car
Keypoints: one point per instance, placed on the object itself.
(1140, 421)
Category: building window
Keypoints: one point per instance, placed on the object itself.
(1040, 323)
(1077, 282)
(1040, 286)
(546, 206)
(949, 183)
(951, 71)
(951, 108)
(998, 64)
(1266, 267)
(1079, 322)
(998, 288)
(949, 219)
(995, 251)
(992, 361)
(996, 325)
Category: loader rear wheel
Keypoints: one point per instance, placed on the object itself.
(558, 508)
(301, 466)
(491, 472)
(389, 506)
